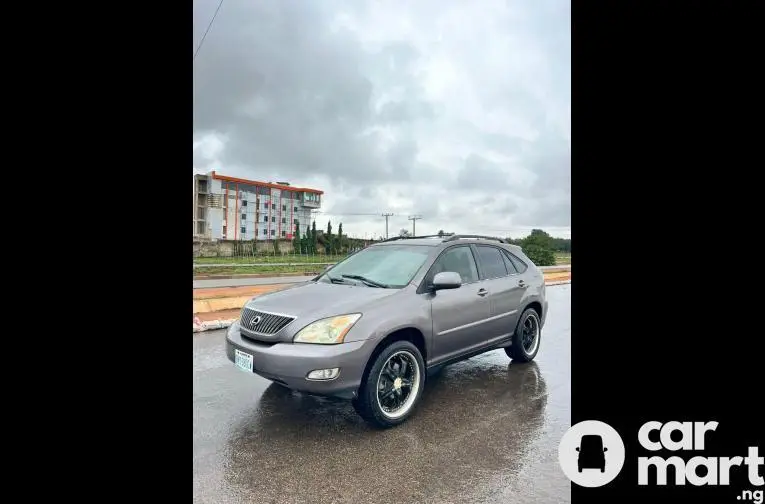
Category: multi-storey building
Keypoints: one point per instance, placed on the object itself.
(229, 208)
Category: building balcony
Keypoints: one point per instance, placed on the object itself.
(311, 204)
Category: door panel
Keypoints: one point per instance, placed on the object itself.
(459, 315)
(459, 321)
(505, 297)
(505, 292)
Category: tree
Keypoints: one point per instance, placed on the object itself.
(340, 238)
(440, 232)
(403, 232)
(314, 238)
(538, 246)
(296, 238)
(540, 238)
(539, 255)
(328, 238)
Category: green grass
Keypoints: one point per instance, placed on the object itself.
(302, 259)
(562, 258)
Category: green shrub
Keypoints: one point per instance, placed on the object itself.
(540, 256)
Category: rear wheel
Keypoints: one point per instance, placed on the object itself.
(526, 337)
(393, 386)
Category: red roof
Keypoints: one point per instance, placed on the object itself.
(264, 184)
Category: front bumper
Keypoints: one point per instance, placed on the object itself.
(290, 363)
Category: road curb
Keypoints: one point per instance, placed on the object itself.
(212, 325)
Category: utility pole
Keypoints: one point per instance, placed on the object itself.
(386, 215)
(414, 219)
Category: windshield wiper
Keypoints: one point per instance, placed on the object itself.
(335, 279)
(367, 281)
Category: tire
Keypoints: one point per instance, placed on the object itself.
(389, 363)
(518, 351)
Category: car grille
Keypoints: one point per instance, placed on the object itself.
(267, 323)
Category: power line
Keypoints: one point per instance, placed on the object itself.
(207, 30)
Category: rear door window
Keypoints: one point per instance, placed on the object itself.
(492, 265)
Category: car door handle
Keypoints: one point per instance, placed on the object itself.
(522, 284)
(482, 292)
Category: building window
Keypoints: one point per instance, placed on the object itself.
(244, 203)
(284, 233)
(265, 206)
(265, 218)
(244, 230)
(284, 220)
(224, 230)
(244, 217)
(296, 221)
(273, 232)
(273, 206)
(273, 219)
(284, 208)
(294, 209)
(265, 232)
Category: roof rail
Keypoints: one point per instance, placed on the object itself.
(482, 237)
(411, 237)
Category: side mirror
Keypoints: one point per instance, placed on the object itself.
(447, 280)
(577, 448)
(605, 449)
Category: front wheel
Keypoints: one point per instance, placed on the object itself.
(393, 385)
(526, 337)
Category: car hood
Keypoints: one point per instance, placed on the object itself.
(311, 301)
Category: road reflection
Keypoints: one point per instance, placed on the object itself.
(477, 421)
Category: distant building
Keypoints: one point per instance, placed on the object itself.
(229, 208)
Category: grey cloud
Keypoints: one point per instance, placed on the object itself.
(405, 111)
(295, 99)
(290, 92)
(479, 173)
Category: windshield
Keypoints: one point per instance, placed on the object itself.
(393, 266)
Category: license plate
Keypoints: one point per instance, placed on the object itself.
(243, 360)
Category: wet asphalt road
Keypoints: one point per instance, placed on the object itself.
(486, 430)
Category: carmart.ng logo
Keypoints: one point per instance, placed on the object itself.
(591, 454)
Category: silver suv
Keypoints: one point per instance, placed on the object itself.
(371, 326)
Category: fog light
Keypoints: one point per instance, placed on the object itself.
(324, 374)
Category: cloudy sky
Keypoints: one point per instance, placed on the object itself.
(453, 110)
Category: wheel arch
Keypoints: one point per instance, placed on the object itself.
(409, 333)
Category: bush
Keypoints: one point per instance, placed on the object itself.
(539, 255)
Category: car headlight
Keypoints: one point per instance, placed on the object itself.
(328, 331)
